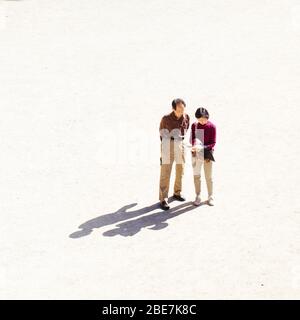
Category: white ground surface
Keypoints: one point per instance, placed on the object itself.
(84, 85)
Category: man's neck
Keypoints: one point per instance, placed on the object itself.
(177, 116)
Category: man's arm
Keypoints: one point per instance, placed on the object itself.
(162, 124)
(192, 135)
(162, 127)
(188, 121)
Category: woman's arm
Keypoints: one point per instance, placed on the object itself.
(212, 140)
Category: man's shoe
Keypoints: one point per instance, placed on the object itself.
(164, 205)
(197, 201)
(210, 201)
(178, 197)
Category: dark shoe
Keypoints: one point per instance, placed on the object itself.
(179, 198)
(164, 205)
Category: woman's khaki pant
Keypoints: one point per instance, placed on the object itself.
(197, 166)
(171, 151)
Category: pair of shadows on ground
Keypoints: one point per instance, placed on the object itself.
(155, 221)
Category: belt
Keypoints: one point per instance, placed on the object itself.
(172, 138)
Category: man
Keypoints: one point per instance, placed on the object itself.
(203, 140)
(173, 128)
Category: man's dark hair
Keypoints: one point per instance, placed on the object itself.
(175, 102)
(201, 113)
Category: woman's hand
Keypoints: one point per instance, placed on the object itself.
(194, 151)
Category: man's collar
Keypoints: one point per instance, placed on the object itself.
(174, 115)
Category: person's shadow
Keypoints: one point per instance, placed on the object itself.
(155, 221)
(129, 228)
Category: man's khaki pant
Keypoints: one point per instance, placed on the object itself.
(197, 166)
(176, 153)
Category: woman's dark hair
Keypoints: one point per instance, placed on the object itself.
(201, 113)
(175, 102)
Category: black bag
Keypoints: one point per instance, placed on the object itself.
(208, 154)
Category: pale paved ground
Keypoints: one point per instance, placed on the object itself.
(83, 87)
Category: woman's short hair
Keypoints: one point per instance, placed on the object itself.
(201, 113)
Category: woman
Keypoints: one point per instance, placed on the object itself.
(203, 140)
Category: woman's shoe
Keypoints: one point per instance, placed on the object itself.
(197, 201)
(210, 201)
